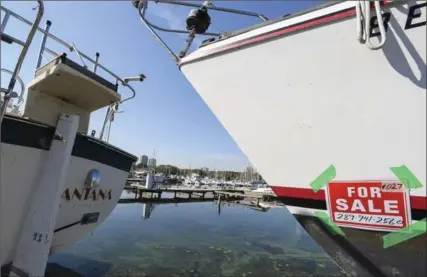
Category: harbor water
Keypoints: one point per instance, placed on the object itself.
(194, 239)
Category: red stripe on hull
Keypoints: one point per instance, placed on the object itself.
(295, 28)
(417, 202)
(290, 30)
(346, 13)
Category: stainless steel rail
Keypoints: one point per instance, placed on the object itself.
(20, 96)
(70, 47)
(26, 45)
(142, 7)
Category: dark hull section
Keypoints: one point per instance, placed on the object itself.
(28, 133)
(361, 253)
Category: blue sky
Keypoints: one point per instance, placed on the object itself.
(167, 114)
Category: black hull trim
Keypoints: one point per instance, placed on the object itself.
(28, 133)
(361, 252)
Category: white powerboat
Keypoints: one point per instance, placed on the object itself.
(71, 181)
(159, 178)
(262, 188)
(340, 95)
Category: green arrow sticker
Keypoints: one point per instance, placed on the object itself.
(323, 178)
(412, 231)
(318, 183)
(407, 178)
(327, 221)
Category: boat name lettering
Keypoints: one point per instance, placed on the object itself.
(412, 20)
(415, 12)
(375, 32)
(39, 237)
(93, 194)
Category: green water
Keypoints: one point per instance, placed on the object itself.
(193, 239)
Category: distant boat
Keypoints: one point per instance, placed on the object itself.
(159, 178)
(263, 189)
(193, 179)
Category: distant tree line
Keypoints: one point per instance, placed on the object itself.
(167, 169)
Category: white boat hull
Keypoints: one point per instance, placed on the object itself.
(22, 167)
(322, 98)
(159, 180)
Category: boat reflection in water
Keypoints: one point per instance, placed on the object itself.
(191, 239)
(147, 209)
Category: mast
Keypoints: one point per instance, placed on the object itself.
(153, 167)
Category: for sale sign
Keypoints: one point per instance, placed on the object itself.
(371, 205)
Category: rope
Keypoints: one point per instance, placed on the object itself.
(363, 21)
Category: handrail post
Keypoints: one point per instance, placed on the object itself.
(43, 44)
(4, 21)
(95, 64)
(74, 48)
(107, 114)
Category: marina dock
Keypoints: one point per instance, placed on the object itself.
(242, 195)
(164, 200)
(180, 195)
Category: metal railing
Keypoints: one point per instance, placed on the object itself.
(142, 7)
(71, 47)
(13, 93)
(8, 92)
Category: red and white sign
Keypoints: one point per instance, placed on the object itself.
(371, 205)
